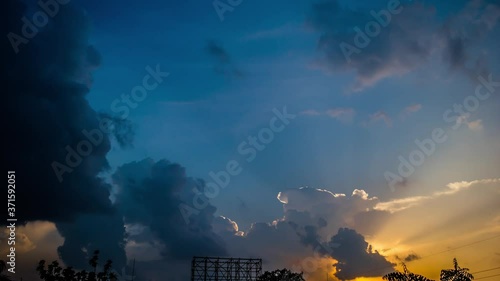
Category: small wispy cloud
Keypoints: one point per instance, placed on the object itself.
(411, 257)
(342, 114)
(381, 116)
(339, 113)
(223, 62)
(412, 109)
(400, 204)
(476, 125)
(456, 186)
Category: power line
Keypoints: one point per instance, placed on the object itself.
(463, 246)
(487, 277)
(490, 269)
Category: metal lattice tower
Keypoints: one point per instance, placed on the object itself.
(225, 269)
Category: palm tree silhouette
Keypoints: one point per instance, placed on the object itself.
(456, 274)
(406, 275)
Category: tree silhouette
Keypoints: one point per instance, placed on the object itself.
(3, 267)
(281, 275)
(456, 274)
(54, 272)
(406, 275)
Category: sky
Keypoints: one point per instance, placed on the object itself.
(331, 137)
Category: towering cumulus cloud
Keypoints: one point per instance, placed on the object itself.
(355, 256)
(149, 196)
(49, 116)
(60, 146)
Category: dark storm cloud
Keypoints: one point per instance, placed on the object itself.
(121, 130)
(223, 63)
(88, 233)
(411, 257)
(48, 115)
(406, 41)
(150, 193)
(47, 111)
(310, 237)
(355, 256)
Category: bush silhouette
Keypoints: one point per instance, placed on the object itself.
(281, 275)
(54, 272)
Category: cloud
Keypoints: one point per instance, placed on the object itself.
(34, 240)
(396, 226)
(456, 186)
(462, 213)
(304, 234)
(356, 258)
(411, 39)
(86, 234)
(400, 204)
(318, 227)
(411, 257)
(223, 62)
(464, 30)
(46, 89)
(151, 194)
(336, 209)
(381, 116)
(46, 95)
(223, 225)
(341, 114)
(412, 109)
(277, 243)
(48, 110)
(403, 45)
(476, 125)
(328, 229)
